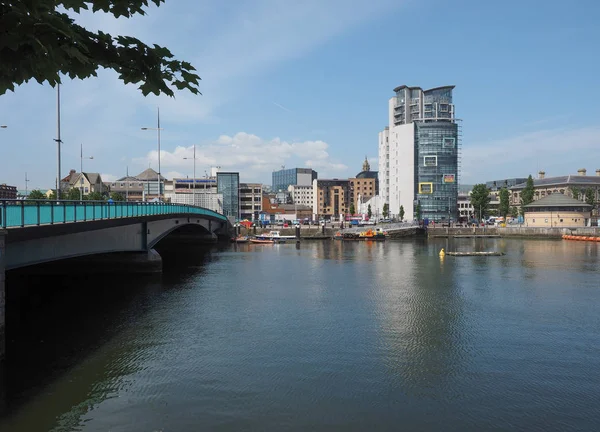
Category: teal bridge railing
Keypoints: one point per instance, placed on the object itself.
(22, 213)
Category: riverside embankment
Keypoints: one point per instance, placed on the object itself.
(517, 231)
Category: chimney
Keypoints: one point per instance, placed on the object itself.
(598, 172)
(541, 174)
(581, 171)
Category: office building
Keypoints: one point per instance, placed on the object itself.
(419, 154)
(283, 178)
(181, 191)
(228, 184)
(250, 200)
(331, 198)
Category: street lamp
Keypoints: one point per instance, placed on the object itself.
(26, 189)
(194, 180)
(3, 126)
(58, 140)
(157, 129)
(81, 158)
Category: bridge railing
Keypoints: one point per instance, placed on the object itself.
(22, 213)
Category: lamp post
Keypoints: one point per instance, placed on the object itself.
(81, 158)
(157, 129)
(26, 189)
(58, 140)
(3, 126)
(194, 180)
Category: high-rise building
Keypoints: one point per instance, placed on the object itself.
(228, 184)
(283, 178)
(419, 154)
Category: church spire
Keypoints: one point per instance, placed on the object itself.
(366, 166)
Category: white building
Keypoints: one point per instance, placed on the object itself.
(418, 154)
(302, 195)
(181, 191)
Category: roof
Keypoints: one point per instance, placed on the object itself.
(148, 174)
(557, 200)
(73, 178)
(419, 88)
(367, 175)
(562, 181)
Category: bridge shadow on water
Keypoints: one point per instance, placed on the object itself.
(56, 316)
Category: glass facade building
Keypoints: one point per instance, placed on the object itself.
(436, 169)
(228, 184)
(284, 178)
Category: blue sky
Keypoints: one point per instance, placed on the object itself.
(307, 84)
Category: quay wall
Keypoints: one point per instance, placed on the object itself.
(516, 231)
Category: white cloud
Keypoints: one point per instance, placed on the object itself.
(254, 157)
(556, 151)
(109, 177)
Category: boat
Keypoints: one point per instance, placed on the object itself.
(274, 235)
(261, 241)
(372, 235)
(240, 239)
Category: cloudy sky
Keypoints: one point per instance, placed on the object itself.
(306, 83)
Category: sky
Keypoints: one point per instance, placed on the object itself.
(306, 84)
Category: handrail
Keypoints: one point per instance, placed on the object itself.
(16, 213)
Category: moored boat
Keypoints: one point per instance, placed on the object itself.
(240, 239)
(261, 241)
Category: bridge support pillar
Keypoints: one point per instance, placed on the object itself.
(2, 295)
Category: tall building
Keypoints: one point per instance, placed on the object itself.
(419, 154)
(250, 200)
(283, 178)
(181, 191)
(363, 186)
(228, 184)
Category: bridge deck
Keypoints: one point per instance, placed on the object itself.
(22, 213)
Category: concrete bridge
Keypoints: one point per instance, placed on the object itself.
(35, 232)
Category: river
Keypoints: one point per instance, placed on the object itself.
(321, 336)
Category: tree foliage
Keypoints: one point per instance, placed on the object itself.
(575, 192)
(527, 194)
(480, 200)
(504, 207)
(369, 211)
(589, 197)
(40, 41)
(74, 194)
(53, 195)
(385, 211)
(401, 213)
(418, 212)
(514, 211)
(36, 194)
(117, 196)
(95, 196)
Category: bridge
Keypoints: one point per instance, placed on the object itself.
(114, 234)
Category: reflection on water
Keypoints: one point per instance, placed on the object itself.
(318, 336)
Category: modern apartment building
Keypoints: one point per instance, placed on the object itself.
(301, 195)
(250, 200)
(331, 198)
(419, 154)
(228, 184)
(283, 178)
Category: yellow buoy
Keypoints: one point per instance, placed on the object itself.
(442, 253)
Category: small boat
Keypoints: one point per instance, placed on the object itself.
(240, 239)
(274, 235)
(261, 241)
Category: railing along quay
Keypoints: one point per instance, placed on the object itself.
(22, 213)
